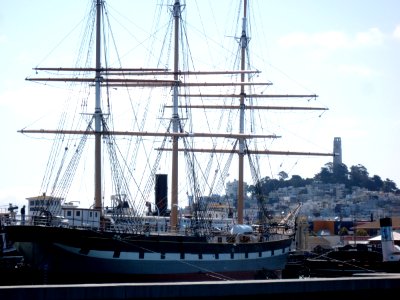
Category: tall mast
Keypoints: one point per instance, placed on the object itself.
(97, 111)
(175, 120)
(243, 44)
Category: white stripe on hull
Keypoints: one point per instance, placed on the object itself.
(172, 256)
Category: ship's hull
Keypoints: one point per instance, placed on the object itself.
(84, 255)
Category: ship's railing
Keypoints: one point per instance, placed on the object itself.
(9, 218)
(160, 225)
(51, 221)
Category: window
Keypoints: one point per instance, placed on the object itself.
(78, 213)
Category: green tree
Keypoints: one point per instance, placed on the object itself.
(296, 181)
(325, 176)
(389, 186)
(375, 183)
(340, 174)
(359, 176)
(343, 231)
(361, 232)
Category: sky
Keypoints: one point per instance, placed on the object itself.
(346, 52)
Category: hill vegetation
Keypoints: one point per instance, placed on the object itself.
(357, 176)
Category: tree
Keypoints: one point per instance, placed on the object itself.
(375, 184)
(361, 232)
(296, 181)
(330, 173)
(389, 186)
(359, 176)
(343, 231)
(325, 176)
(340, 174)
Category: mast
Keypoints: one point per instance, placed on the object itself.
(97, 111)
(175, 119)
(243, 44)
(114, 77)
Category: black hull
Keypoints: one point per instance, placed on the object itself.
(78, 255)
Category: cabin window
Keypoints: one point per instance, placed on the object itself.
(141, 255)
(162, 255)
(91, 214)
(272, 253)
(216, 255)
(220, 239)
(117, 253)
(259, 254)
(32, 203)
(232, 255)
(246, 255)
(69, 213)
(182, 255)
(200, 255)
(78, 213)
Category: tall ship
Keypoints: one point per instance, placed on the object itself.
(159, 143)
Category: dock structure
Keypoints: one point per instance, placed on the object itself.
(361, 287)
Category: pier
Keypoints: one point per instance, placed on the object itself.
(361, 287)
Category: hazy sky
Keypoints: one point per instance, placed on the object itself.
(345, 51)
